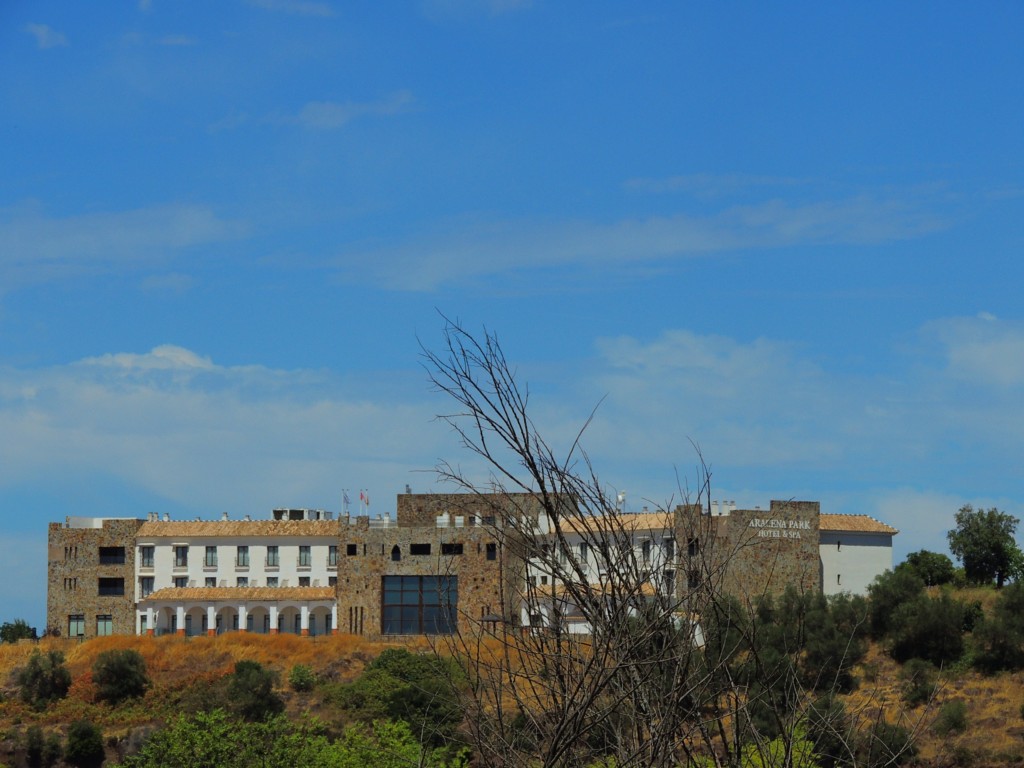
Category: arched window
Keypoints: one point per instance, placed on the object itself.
(396, 553)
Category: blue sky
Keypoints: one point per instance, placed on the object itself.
(791, 233)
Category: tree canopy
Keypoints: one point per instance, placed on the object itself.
(983, 541)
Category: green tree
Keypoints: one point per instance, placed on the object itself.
(44, 679)
(251, 691)
(13, 631)
(998, 639)
(120, 675)
(983, 541)
(85, 745)
(933, 568)
(928, 628)
(886, 594)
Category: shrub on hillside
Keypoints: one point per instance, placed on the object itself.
(119, 675)
(251, 692)
(13, 631)
(930, 628)
(919, 682)
(301, 678)
(952, 718)
(887, 593)
(44, 679)
(887, 744)
(999, 640)
(85, 745)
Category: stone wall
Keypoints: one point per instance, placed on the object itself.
(74, 572)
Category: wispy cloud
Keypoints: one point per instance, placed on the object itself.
(34, 246)
(46, 36)
(331, 115)
(482, 248)
(296, 7)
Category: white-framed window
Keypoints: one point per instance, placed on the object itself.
(146, 557)
(332, 556)
(303, 581)
(210, 560)
(181, 557)
(145, 586)
(273, 558)
(242, 559)
(272, 581)
(243, 581)
(211, 581)
(180, 582)
(305, 557)
(76, 625)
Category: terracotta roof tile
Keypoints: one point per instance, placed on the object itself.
(239, 594)
(239, 528)
(854, 524)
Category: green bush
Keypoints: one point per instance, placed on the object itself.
(887, 593)
(119, 675)
(12, 632)
(44, 679)
(999, 640)
(42, 752)
(952, 718)
(919, 684)
(887, 744)
(85, 745)
(301, 678)
(251, 692)
(928, 628)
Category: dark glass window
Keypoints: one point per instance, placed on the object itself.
(332, 555)
(419, 549)
(181, 557)
(492, 551)
(305, 558)
(111, 555)
(242, 558)
(454, 548)
(111, 587)
(419, 605)
(351, 550)
(146, 555)
(692, 547)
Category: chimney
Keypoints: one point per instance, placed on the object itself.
(167, 517)
(224, 517)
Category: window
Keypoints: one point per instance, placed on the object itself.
(583, 552)
(419, 549)
(645, 549)
(351, 549)
(76, 625)
(142, 624)
(692, 547)
(419, 605)
(670, 582)
(492, 551)
(536, 620)
(670, 549)
(111, 587)
(180, 582)
(332, 581)
(242, 558)
(211, 581)
(145, 586)
(181, 557)
(692, 580)
(489, 520)
(396, 553)
(272, 581)
(332, 556)
(305, 559)
(303, 581)
(272, 556)
(104, 625)
(211, 557)
(242, 581)
(451, 549)
(146, 557)
(111, 555)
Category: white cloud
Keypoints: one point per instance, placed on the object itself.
(982, 350)
(481, 248)
(295, 7)
(46, 36)
(36, 247)
(330, 115)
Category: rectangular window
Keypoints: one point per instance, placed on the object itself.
(303, 581)
(181, 557)
(332, 556)
(692, 547)
(211, 581)
(454, 548)
(76, 625)
(146, 557)
(210, 561)
(583, 552)
(242, 558)
(419, 605)
(351, 549)
(104, 625)
(419, 549)
(670, 549)
(692, 580)
(111, 555)
(492, 551)
(145, 586)
(670, 582)
(180, 582)
(332, 581)
(272, 556)
(490, 520)
(305, 558)
(272, 581)
(645, 549)
(111, 587)
(243, 581)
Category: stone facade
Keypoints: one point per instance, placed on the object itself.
(87, 567)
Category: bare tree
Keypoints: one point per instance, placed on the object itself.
(613, 639)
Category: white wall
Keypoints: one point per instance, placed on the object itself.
(851, 561)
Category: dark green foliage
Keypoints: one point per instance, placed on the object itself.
(40, 751)
(301, 678)
(251, 692)
(928, 628)
(952, 718)
(933, 568)
(12, 632)
(919, 684)
(44, 679)
(85, 745)
(831, 732)
(119, 675)
(419, 689)
(887, 593)
(999, 639)
(887, 744)
(984, 542)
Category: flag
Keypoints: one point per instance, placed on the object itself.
(344, 496)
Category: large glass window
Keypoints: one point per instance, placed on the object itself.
(305, 558)
(76, 625)
(111, 555)
(181, 557)
(145, 586)
(243, 557)
(272, 556)
(146, 557)
(104, 625)
(419, 605)
(332, 556)
(111, 587)
(211, 557)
